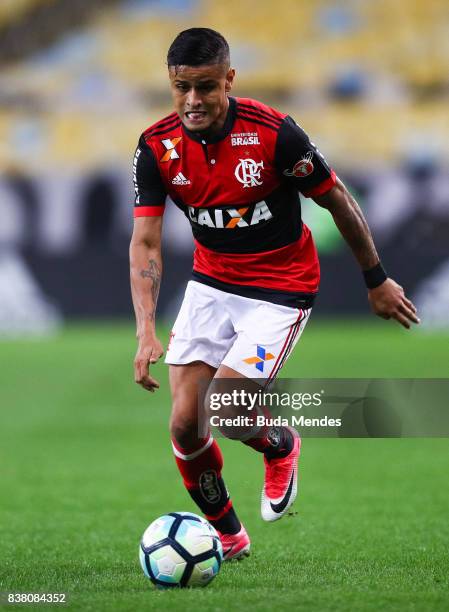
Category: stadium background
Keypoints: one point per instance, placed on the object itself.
(85, 456)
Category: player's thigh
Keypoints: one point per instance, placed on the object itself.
(265, 338)
(203, 329)
(185, 385)
(235, 419)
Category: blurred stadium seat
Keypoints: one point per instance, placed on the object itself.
(13, 10)
(332, 66)
(368, 80)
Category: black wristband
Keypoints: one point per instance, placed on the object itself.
(374, 276)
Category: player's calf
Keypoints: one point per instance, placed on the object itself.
(200, 467)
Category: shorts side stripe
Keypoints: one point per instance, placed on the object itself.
(286, 344)
(287, 350)
(290, 345)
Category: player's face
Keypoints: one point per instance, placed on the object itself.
(200, 95)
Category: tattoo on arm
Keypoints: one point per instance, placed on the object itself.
(153, 272)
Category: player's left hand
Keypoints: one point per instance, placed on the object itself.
(390, 302)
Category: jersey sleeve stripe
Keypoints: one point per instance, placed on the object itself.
(149, 211)
(322, 188)
(258, 121)
(164, 126)
(162, 122)
(262, 114)
(168, 128)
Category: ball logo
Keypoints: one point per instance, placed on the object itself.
(248, 171)
(302, 168)
(209, 486)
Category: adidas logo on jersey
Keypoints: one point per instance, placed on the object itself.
(180, 179)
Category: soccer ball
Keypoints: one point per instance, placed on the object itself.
(180, 549)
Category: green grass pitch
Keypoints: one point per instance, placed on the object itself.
(86, 465)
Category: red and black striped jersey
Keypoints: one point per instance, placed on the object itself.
(239, 190)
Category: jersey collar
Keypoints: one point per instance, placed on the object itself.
(225, 130)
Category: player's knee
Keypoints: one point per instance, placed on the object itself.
(183, 429)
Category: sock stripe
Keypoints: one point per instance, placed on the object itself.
(223, 511)
(197, 453)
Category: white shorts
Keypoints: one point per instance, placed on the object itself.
(250, 336)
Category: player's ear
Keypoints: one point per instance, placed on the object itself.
(229, 79)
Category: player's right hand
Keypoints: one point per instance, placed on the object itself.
(149, 351)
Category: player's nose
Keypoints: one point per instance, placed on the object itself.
(193, 99)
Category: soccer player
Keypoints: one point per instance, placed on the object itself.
(234, 166)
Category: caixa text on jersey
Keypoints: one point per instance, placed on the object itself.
(230, 218)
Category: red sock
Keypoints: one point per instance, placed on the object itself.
(200, 467)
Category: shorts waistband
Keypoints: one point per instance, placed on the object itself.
(283, 298)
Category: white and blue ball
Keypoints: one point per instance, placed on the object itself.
(180, 549)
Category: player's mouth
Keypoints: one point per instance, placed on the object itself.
(196, 117)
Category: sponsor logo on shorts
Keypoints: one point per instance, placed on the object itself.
(209, 486)
(302, 168)
(259, 359)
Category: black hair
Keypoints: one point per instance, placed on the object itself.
(197, 47)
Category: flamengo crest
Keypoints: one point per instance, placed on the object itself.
(248, 172)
